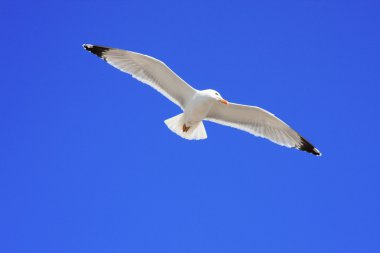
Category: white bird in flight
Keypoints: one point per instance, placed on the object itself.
(198, 105)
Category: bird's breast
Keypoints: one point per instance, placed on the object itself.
(197, 109)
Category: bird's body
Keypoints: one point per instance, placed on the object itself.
(200, 105)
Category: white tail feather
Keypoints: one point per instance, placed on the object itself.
(196, 132)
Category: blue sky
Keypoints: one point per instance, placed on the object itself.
(87, 164)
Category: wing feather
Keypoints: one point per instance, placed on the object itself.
(261, 123)
(148, 70)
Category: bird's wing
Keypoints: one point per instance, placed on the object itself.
(261, 123)
(147, 70)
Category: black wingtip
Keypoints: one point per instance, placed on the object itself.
(306, 146)
(97, 50)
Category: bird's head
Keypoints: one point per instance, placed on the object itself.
(214, 94)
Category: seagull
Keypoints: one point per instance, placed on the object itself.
(199, 105)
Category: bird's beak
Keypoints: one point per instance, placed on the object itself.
(223, 101)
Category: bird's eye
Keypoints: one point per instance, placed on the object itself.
(216, 93)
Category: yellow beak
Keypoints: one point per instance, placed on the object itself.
(223, 101)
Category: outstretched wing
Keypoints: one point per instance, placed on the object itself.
(147, 70)
(261, 123)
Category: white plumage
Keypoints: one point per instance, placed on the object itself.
(200, 105)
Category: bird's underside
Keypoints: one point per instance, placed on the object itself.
(200, 105)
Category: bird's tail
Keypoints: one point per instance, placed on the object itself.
(195, 132)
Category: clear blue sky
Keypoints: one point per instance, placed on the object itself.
(83, 170)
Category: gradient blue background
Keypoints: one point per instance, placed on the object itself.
(87, 164)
